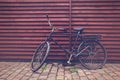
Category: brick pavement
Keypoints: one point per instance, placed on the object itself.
(55, 71)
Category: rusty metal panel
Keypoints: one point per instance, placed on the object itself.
(100, 17)
(23, 25)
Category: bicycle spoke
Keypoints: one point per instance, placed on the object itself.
(40, 56)
(95, 55)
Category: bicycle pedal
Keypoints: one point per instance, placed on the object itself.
(66, 64)
(100, 67)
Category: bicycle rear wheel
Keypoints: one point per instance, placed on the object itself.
(40, 56)
(93, 56)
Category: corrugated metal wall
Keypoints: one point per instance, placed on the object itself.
(100, 17)
(23, 25)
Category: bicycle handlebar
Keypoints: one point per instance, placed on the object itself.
(49, 21)
(53, 28)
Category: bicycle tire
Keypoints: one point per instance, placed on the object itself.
(94, 57)
(40, 56)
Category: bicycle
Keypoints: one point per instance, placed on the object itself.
(90, 52)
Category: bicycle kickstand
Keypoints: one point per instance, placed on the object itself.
(69, 60)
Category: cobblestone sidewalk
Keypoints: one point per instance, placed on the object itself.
(55, 71)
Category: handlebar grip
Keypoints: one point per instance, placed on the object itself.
(47, 16)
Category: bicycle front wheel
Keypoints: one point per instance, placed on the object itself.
(40, 56)
(93, 54)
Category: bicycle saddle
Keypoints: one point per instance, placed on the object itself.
(78, 29)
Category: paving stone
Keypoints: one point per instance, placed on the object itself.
(51, 78)
(98, 76)
(27, 75)
(55, 71)
(107, 76)
(43, 77)
(25, 78)
(60, 78)
(33, 79)
(68, 75)
(81, 73)
(3, 79)
(116, 78)
(35, 75)
(118, 73)
(60, 72)
(83, 78)
(75, 76)
(91, 77)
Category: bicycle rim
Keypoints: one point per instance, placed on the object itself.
(40, 56)
(93, 57)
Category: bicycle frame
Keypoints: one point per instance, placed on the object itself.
(50, 38)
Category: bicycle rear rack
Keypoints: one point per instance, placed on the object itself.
(91, 37)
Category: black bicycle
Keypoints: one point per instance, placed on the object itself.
(87, 48)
